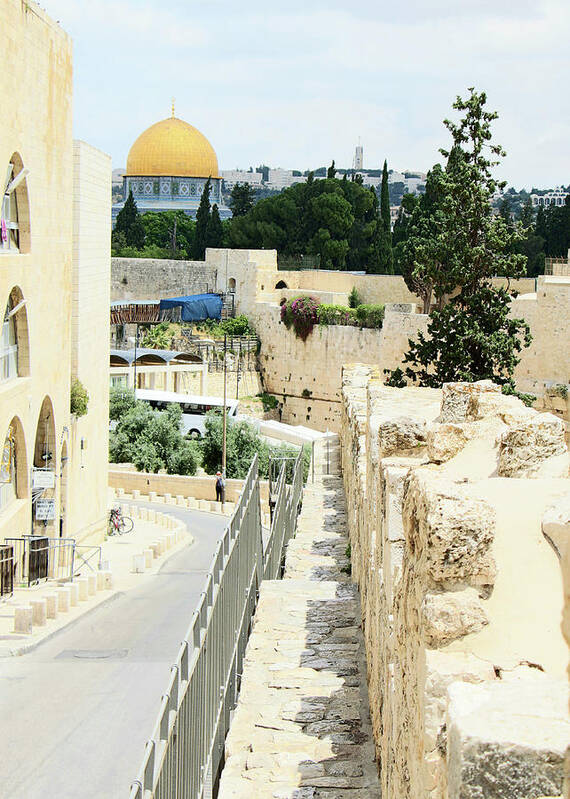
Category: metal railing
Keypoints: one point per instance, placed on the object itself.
(6, 570)
(185, 753)
(87, 556)
(38, 558)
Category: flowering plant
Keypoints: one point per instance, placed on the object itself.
(302, 314)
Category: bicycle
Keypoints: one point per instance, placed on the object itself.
(119, 524)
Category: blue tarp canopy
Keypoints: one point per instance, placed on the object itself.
(194, 308)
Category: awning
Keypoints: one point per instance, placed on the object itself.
(194, 308)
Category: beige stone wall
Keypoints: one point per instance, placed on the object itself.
(450, 559)
(177, 485)
(35, 56)
(290, 366)
(90, 336)
(547, 311)
(57, 238)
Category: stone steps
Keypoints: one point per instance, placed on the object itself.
(301, 729)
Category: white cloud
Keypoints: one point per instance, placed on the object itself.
(298, 86)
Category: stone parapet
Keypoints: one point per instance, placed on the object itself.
(450, 561)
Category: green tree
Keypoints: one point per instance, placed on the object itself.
(202, 222)
(242, 199)
(423, 254)
(129, 223)
(385, 244)
(121, 400)
(472, 337)
(331, 171)
(152, 440)
(215, 231)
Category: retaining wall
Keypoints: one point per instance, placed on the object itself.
(461, 593)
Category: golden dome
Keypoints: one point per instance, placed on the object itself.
(172, 147)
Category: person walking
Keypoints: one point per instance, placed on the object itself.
(219, 487)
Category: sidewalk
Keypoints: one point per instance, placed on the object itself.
(169, 533)
(301, 729)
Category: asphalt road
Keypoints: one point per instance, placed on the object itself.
(76, 712)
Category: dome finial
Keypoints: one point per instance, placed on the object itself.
(173, 104)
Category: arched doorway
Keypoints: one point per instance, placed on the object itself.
(43, 472)
(232, 285)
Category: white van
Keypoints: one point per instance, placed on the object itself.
(194, 408)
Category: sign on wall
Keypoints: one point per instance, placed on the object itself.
(43, 478)
(45, 510)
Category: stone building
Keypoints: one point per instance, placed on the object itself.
(167, 169)
(54, 286)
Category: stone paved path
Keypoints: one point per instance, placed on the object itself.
(301, 729)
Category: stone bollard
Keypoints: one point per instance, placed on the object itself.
(229, 507)
(168, 498)
(100, 580)
(143, 514)
(51, 606)
(108, 581)
(83, 584)
(170, 540)
(63, 599)
(192, 503)
(180, 500)
(39, 612)
(155, 547)
(137, 564)
(152, 496)
(120, 492)
(148, 556)
(136, 493)
(23, 620)
(152, 515)
(73, 594)
(92, 584)
(204, 504)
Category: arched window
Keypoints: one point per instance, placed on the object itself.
(13, 468)
(281, 285)
(232, 285)
(14, 347)
(14, 212)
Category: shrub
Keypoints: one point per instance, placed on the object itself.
(268, 401)
(79, 398)
(370, 315)
(336, 315)
(300, 313)
(396, 378)
(121, 400)
(354, 298)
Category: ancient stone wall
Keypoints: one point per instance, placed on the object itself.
(153, 279)
(306, 375)
(445, 496)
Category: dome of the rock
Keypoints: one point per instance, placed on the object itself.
(172, 147)
(168, 168)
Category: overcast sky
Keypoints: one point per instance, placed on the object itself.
(296, 84)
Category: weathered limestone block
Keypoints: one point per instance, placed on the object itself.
(451, 528)
(401, 435)
(506, 739)
(525, 448)
(556, 529)
(459, 400)
(444, 441)
(451, 615)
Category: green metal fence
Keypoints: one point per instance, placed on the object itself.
(184, 755)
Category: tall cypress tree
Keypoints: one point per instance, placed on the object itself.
(215, 231)
(130, 224)
(202, 222)
(385, 245)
